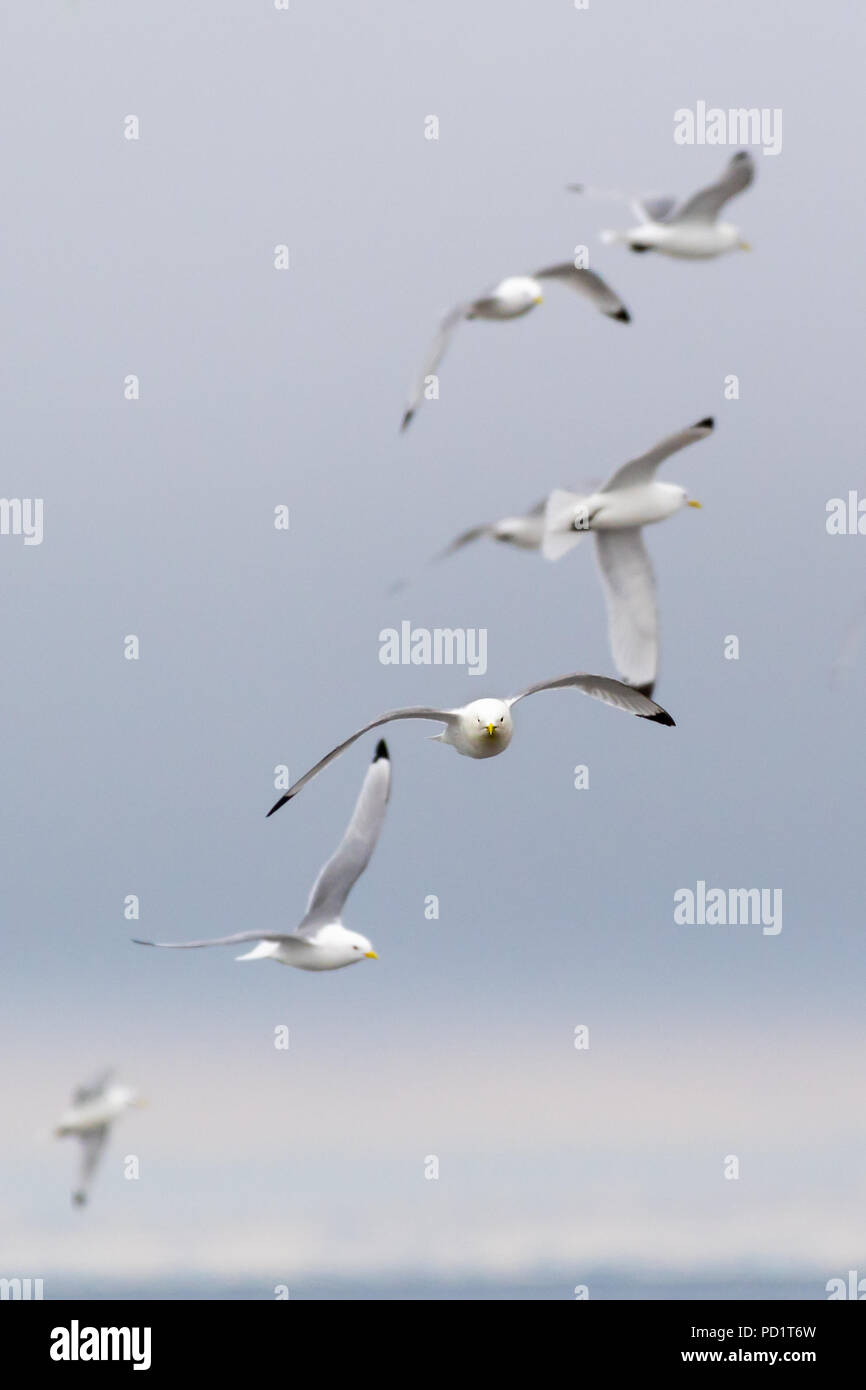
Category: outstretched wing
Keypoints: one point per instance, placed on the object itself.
(706, 205)
(351, 858)
(657, 209)
(218, 940)
(442, 716)
(652, 208)
(465, 538)
(93, 1089)
(434, 357)
(587, 283)
(93, 1142)
(643, 468)
(612, 692)
(629, 588)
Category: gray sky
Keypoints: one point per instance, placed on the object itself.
(261, 647)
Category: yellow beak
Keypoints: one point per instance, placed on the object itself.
(139, 1104)
(745, 245)
(539, 299)
(491, 729)
(370, 955)
(693, 503)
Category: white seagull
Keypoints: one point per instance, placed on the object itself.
(484, 728)
(690, 231)
(630, 499)
(615, 512)
(321, 942)
(510, 299)
(93, 1110)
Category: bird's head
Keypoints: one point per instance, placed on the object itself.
(359, 947)
(489, 719)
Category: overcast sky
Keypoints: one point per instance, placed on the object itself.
(260, 647)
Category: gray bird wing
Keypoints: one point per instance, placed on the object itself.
(706, 205)
(604, 688)
(350, 859)
(438, 347)
(92, 1144)
(587, 283)
(642, 469)
(656, 209)
(218, 940)
(92, 1090)
(442, 716)
(629, 588)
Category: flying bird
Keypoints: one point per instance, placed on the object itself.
(511, 299)
(484, 728)
(690, 230)
(631, 499)
(321, 942)
(94, 1109)
(615, 512)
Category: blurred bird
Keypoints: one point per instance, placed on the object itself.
(511, 299)
(690, 231)
(94, 1109)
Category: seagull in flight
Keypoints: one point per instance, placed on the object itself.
(631, 499)
(321, 942)
(511, 299)
(94, 1109)
(484, 728)
(615, 513)
(691, 230)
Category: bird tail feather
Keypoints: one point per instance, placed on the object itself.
(560, 532)
(259, 952)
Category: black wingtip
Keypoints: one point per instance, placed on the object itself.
(621, 316)
(138, 942)
(661, 717)
(647, 689)
(79, 1198)
(406, 419)
(381, 750)
(277, 804)
(706, 424)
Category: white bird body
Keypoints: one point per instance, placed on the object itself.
(511, 298)
(333, 947)
(686, 241)
(632, 506)
(92, 1114)
(321, 942)
(480, 730)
